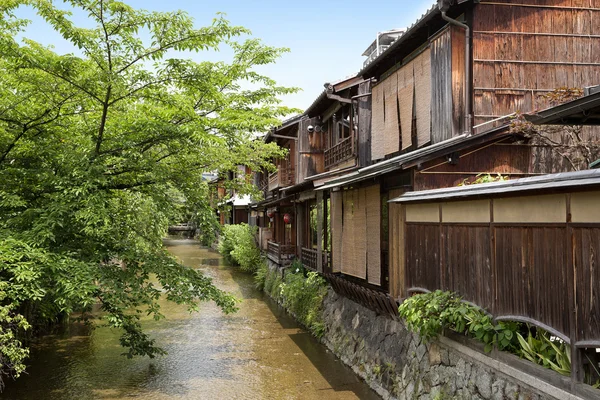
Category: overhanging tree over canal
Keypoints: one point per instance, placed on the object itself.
(96, 145)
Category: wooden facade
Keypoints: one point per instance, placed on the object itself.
(400, 126)
(523, 50)
(524, 257)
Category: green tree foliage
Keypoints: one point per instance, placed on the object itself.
(99, 149)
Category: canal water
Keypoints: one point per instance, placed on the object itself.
(257, 353)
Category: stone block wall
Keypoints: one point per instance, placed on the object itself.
(398, 365)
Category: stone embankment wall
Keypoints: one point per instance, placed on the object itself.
(398, 365)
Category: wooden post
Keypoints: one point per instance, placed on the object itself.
(364, 125)
(320, 233)
(577, 373)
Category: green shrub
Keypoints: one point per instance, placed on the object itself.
(300, 292)
(430, 313)
(260, 275)
(238, 246)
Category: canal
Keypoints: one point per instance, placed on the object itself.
(257, 353)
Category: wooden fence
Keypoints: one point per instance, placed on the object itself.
(532, 259)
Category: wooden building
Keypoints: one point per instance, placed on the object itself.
(433, 111)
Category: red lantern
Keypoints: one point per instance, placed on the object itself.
(287, 218)
(270, 213)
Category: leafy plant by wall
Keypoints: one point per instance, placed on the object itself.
(300, 292)
(430, 313)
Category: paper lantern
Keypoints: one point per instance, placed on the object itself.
(287, 218)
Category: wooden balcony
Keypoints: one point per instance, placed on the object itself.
(273, 181)
(279, 253)
(283, 177)
(339, 153)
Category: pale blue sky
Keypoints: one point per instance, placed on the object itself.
(326, 38)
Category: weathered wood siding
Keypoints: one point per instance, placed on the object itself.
(522, 51)
(503, 158)
(310, 150)
(443, 125)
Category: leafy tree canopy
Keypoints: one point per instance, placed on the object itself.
(98, 148)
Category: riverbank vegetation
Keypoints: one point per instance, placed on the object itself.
(430, 313)
(237, 245)
(300, 291)
(99, 148)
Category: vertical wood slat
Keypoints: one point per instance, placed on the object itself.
(422, 256)
(441, 88)
(586, 251)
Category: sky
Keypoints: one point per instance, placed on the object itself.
(326, 38)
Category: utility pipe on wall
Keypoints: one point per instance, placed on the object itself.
(468, 113)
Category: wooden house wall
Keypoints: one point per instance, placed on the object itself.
(522, 51)
(310, 150)
(518, 257)
(503, 157)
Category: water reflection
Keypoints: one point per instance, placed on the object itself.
(257, 353)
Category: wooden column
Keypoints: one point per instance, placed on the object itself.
(320, 233)
(364, 125)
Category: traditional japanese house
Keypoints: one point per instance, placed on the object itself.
(443, 96)
(275, 215)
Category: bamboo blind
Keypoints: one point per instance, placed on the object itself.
(422, 68)
(360, 232)
(377, 123)
(373, 234)
(405, 97)
(336, 231)
(391, 134)
(349, 265)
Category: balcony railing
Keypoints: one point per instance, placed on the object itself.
(287, 176)
(273, 181)
(309, 258)
(338, 153)
(281, 178)
(280, 253)
(374, 54)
